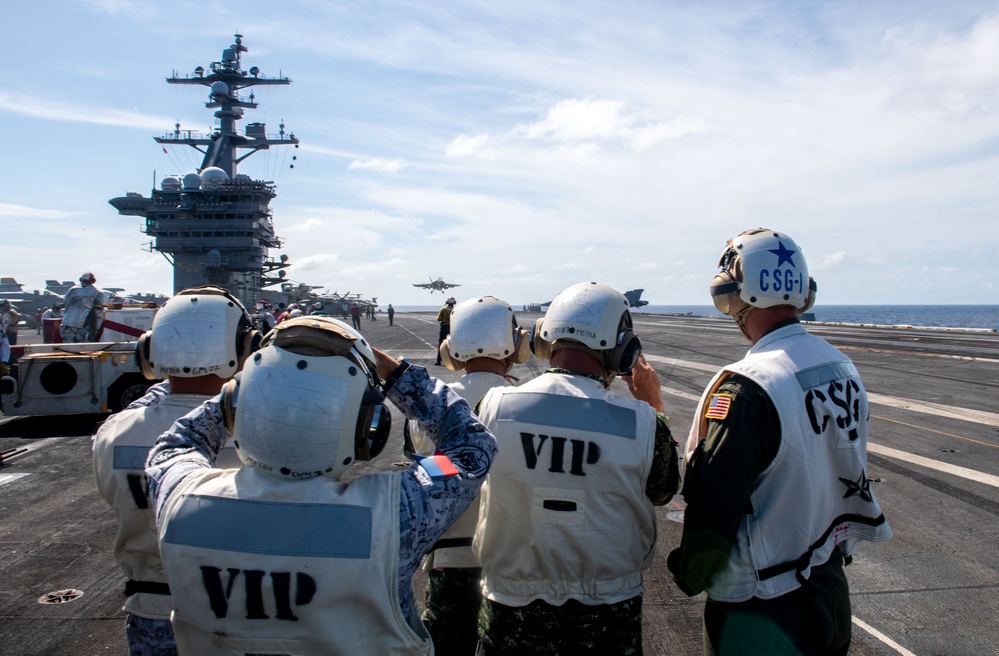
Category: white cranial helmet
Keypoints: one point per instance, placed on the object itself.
(200, 331)
(761, 268)
(307, 401)
(484, 327)
(592, 315)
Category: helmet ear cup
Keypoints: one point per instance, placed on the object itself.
(228, 403)
(541, 348)
(374, 423)
(142, 355)
(449, 361)
(622, 359)
(810, 299)
(248, 340)
(521, 346)
(725, 292)
(624, 355)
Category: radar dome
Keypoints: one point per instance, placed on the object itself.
(192, 181)
(212, 174)
(220, 89)
(170, 183)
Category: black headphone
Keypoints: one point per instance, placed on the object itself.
(247, 337)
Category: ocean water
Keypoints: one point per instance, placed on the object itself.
(946, 316)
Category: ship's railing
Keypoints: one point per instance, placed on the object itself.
(188, 245)
(252, 135)
(163, 210)
(242, 226)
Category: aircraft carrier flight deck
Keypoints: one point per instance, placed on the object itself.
(933, 462)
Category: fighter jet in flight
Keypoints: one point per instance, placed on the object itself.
(436, 285)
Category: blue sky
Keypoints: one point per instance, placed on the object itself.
(520, 147)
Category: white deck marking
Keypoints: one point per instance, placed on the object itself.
(965, 414)
(926, 407)
(929, 463)
(9, 478)
(883, 638)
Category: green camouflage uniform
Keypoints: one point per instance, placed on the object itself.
(453, 598)
(572, 628)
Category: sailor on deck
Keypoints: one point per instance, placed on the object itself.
(281, 555)
(444, 319)
(199, 339)
(485, 342)
(567, 523)
(776, 482)
(79, 317)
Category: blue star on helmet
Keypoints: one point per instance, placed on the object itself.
(783, 254)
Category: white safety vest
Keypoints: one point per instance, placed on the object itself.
(454, 549)
(564, 514)
(264, 565)
(120, 450)
(815, 495)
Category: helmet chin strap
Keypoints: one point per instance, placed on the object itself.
(739, 315)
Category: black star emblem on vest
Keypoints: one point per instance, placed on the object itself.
(861, 486)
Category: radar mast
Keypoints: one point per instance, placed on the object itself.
(214, 225)
(225, 79)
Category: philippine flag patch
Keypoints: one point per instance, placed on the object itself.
(718, 407)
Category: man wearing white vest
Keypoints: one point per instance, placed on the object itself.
(484, 342)
(776, 469)
(282, 556)
(567, 523)
(198, 341)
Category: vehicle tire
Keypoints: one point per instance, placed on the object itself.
(126, 389)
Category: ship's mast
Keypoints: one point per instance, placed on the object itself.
(214, 226)
(225, 79)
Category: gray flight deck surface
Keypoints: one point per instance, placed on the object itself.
(933, 462)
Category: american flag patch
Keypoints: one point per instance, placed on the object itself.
(718, 407)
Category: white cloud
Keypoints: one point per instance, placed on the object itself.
(315, 262)
(379, 165)
(133, 8)
(310, 225)
(54, 109)
(22, 211)
(831, 261)
(464, 145)
(578, 120)
(577, 130)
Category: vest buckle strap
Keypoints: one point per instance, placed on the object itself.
(147, 587)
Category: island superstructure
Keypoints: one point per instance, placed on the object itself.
(214, 225)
